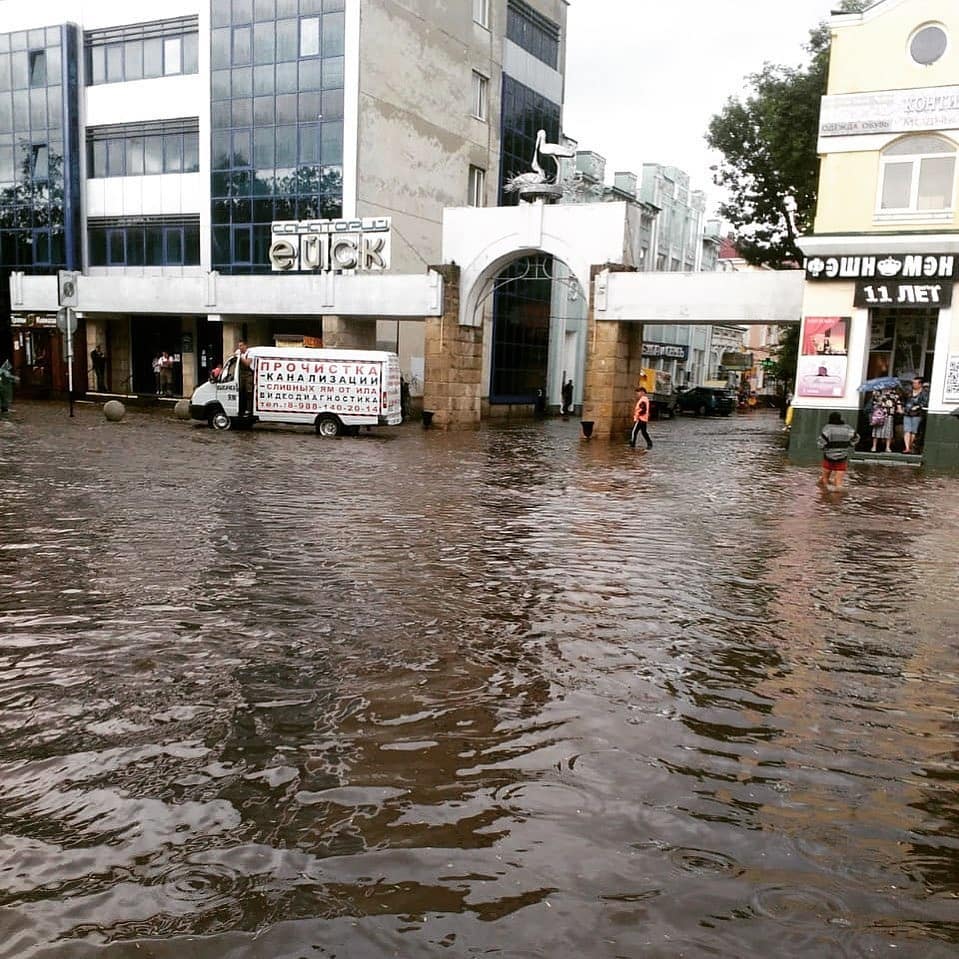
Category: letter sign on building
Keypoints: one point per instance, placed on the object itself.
(893, 267)
(331, 246)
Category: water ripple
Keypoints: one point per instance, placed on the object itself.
(497, 693)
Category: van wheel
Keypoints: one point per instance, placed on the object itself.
(328, 426)
(702, 410)
(220, 421)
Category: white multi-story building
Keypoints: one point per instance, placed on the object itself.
(150, 149)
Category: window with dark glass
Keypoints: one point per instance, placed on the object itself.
(40, 166)
(524, 113)
(35, 170)
(137, 149)
(277, 121)
(142, 51)
(38, 68)
(521, 306)
(144, 241)
(536, 34)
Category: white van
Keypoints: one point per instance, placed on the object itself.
(335, 391)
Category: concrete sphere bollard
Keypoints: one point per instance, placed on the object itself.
(114, 411)
(182, 409)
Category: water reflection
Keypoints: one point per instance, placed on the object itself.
(501, 693)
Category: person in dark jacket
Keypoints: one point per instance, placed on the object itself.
(914, 407)
(836, 441)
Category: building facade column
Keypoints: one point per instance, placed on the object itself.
(348, 333)
(453, 374)
(614, 362)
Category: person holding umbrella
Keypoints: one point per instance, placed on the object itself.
(882, 409)
(882, 418)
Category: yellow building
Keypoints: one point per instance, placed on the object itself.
(883, 262)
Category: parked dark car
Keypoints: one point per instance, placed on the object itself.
(706, 401)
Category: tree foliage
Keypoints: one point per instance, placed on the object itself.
(787, 354)
(768, 141)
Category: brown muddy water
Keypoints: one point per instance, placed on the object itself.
(504, 693)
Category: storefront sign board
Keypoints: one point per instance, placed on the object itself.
(894, 266)
(892, 294)
(890, 111)
(671, 351)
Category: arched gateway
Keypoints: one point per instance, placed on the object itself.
(598, 243)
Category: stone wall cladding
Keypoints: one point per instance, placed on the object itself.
(454, 358)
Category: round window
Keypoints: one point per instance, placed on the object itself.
(928, 44)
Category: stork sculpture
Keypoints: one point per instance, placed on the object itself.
(530, 183)
(554, 150)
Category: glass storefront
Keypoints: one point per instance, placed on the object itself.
(902, 343)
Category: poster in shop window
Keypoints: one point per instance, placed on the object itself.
(950, 393)
(823, 356)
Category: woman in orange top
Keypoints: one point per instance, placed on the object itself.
(641, 418)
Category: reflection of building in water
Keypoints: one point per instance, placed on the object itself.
(883, 253)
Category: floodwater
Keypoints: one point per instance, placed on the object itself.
(505, 693)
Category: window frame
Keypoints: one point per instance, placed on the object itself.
(174, 46)
(37, 68)
(479, 96)
(142, 51)
(129, 242)
(304, 36)
(922, 28)
(913, 211)
(481, 13)
(39, 162)
(476, 187)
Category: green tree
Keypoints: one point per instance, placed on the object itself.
(787, 355)
(768, 143)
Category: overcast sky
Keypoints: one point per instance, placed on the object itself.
(644, 77)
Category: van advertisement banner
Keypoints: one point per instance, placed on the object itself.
(291, 385)
(823, 357)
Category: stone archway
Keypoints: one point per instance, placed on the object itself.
(477, 244)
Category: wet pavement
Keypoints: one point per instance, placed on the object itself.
(504, 693)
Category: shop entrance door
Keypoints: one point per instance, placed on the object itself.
(209, 348)
(902, 343)
(149, 337)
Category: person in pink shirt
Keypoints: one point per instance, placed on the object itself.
(641, 418)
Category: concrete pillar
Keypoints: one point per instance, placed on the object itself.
(614, 359)
(232, 334)
(452, 380)
(348, 333)
(188, 360)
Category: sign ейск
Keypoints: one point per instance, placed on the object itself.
(331, 246)
(894, 280)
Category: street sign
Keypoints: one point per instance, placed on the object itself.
(67, 321)
(67, 288)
